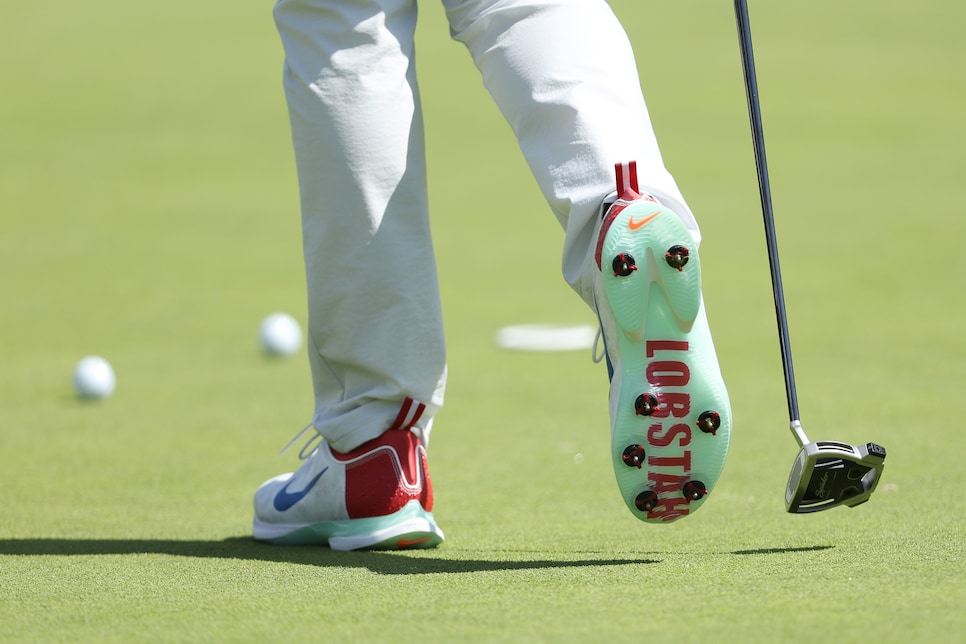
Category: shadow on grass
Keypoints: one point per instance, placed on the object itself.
(779, 551)
(244, 548)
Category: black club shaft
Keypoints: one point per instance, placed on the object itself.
(757, 134)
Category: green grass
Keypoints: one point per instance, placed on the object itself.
(148, 213)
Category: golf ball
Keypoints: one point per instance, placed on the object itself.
(94, 378)
(280, 334)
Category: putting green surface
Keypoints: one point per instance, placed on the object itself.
(149, 214)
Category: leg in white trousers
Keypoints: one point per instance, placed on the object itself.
(562, 73)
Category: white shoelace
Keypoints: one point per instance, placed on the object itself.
(593, 350)
(303, 454)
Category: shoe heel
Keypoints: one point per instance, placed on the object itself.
(648, 247)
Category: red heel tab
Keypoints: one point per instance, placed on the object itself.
(630, 195)
(627, 188)
(626, 175)
(627, 185)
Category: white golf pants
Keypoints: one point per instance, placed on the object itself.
(562, 73)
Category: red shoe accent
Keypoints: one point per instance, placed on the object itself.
(626, 174)
(409, 414)
(627, 191)
(386, 473)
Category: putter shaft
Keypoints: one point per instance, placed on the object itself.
(758, 136)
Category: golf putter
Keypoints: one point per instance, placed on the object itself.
(825, 473)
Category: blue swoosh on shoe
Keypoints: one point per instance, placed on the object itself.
(285, 499)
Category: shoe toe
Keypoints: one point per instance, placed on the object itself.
(266, 492)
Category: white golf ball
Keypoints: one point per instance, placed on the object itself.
(280, 334)
(94, 378)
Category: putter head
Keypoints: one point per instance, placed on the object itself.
(827, 474)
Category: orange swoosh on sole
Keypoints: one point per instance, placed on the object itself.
(634, 225)
(406, 543)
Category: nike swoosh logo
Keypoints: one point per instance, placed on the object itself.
(285, 499)
(634, 225)
(406, 543)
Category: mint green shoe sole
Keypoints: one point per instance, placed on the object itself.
(411, 527)
(672, 423)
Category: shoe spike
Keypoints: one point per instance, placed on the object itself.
(677, 257)
(709, 422)
(645, 405)
(694, 490)
(623, 265)
(646, 501)
(633, 456)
